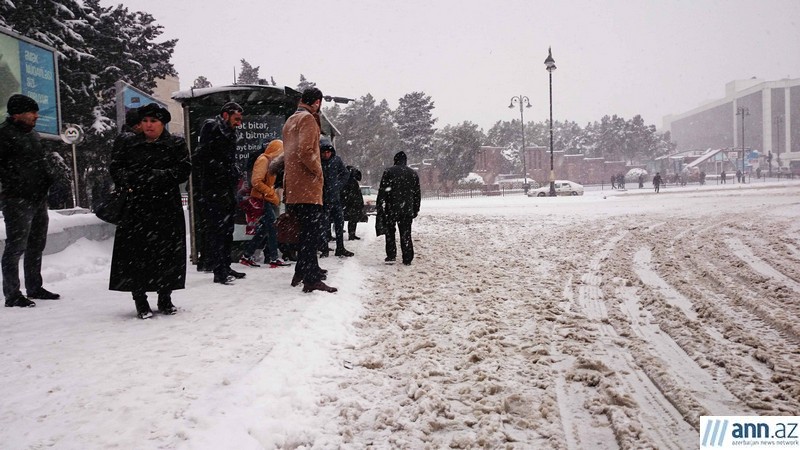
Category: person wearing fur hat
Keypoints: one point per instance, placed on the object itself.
(398, 203)
(218, 176)
(26, 179)
(150, 241)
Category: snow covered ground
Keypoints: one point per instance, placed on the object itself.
(615, 319)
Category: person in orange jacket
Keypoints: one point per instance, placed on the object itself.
(263, 182)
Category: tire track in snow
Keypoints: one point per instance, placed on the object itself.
(656, 415)
(704, 388)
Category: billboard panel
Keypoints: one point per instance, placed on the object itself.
(128, 97)
(30, 68)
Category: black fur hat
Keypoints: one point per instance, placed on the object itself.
(154, 110)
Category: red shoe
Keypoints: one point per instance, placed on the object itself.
(278, 263)
(245, 261)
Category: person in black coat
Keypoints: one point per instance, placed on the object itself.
(215, 163)
(353, 202)
(150, 241)
(26, 174)
(398, 203)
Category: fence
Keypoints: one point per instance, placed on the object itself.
(470, 193)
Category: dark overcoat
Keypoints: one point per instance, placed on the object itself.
(352, 198)
(150, 242)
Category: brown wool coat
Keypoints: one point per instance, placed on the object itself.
(262, 180)
(303, 177)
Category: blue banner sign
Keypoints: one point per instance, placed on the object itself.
(30, 68)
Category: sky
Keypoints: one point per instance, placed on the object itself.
(652, 58)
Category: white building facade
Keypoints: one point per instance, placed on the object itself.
(771, 120)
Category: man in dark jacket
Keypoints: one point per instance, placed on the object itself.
(26, 179)
(398, 203)
(335, 174)
(218, 174)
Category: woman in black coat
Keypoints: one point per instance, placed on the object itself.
(150, 241)
(353, 202)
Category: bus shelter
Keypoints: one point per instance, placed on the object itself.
(266, 109)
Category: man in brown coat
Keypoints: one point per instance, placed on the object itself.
(303, 180)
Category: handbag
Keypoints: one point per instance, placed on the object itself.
(380, 224)
(112, 208)
(288, 228)
(253, 210)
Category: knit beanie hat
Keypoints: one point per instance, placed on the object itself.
(231, 107)
(19, 104)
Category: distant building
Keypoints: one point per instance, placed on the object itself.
(773, 123)
(165, 87)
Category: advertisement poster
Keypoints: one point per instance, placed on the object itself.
(30, 69)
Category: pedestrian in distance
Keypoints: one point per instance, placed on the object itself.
(150, 239)
(219, 177)
(657, 182)
(353, 203)
(641, 181)
(303, 182)
(613, 181)
(397, 206)
(26, 172)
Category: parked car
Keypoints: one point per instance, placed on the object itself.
(563, 187)
(370, 199)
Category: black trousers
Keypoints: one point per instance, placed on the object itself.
(219, 235)
(26, 233)
(406, 245)
(312, 219)
(334, 215)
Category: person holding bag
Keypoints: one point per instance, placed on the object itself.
(263, 190)
(150, 241)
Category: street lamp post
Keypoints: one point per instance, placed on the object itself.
(778, 124)
(550, 64)
(523, 101)
(742, 111)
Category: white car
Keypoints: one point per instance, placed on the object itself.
(370, 199)
(563, 187)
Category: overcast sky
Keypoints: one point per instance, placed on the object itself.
(614, 57)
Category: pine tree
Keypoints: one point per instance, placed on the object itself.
(456, 148)
(305, 84)
(201, 82)
(248, 74)
(96, 47)
(415, 122)
(369, 138)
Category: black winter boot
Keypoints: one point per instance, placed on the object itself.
(165, 305)
(143, 310)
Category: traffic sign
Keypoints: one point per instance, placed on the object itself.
(72, 134)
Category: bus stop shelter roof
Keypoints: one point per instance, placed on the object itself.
(248, 95)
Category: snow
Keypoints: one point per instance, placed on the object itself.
(614, 319)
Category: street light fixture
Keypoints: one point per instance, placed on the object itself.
(523, 101)
(550, 64)
(742, 111)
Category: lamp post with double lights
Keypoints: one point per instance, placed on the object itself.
(550, 64)
(742, 111)
(523, 101)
